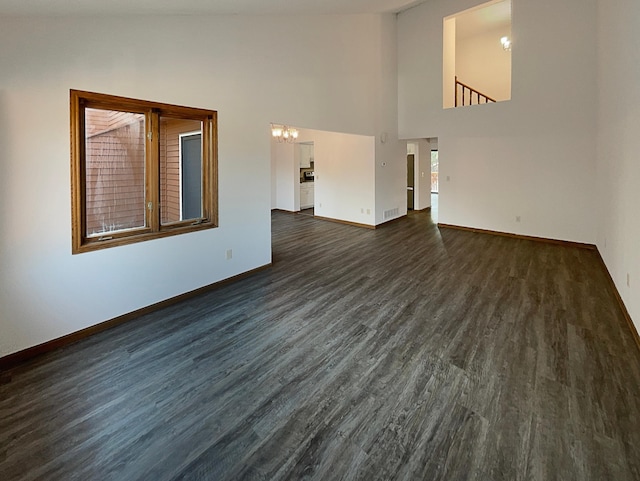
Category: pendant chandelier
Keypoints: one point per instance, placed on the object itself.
(282, 133)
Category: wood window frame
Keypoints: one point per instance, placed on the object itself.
(153, 227)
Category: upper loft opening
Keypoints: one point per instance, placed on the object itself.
(477, 55)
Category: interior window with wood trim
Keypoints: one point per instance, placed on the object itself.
(140, 170)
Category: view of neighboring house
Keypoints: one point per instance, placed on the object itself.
(115, 170)
(115, 143)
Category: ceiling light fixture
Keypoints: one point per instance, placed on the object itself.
(282, 133)
(506, 43)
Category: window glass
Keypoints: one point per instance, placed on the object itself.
(115, 171)
(180, 169)
(140, 170)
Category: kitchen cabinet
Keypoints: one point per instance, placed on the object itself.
(307, 192)
(306, 155)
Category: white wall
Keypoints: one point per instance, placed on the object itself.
(618, 170)
(532, 156)
(391, 156)
(286, 176)
(274, 174)
(448, 62)
(484, 65)
(361, 178)
(344, 183)
(223, 63)
(344, 175)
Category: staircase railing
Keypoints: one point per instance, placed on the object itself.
(471, 92)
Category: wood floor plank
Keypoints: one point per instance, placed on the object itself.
(405, 352)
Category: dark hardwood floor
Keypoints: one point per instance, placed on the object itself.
(398, 353)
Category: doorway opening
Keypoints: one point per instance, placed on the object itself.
(411, 162)
(476, 65)
(434, 171)
(304, 153)
(435, 178)
(418, 175)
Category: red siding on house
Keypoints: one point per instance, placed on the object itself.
(170, 130)
(114, 170)
(115, 179)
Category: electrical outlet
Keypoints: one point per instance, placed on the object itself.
(517, 218)
(229, 254)
(368, 211)
(448, 178)
(423, 174)
(628, 280)
(362, 210)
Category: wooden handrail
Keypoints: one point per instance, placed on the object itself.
(479, 95)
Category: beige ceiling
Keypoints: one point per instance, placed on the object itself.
(482, 19)
(199, 7)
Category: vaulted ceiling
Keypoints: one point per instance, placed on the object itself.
(199, 7)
